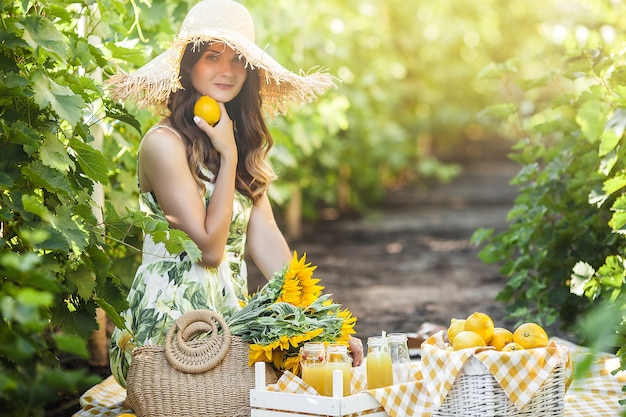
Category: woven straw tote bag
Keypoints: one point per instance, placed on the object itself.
(201, 378)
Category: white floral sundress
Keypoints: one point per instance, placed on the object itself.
(167, 285)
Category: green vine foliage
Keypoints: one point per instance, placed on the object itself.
(564, 249)
(61, 245)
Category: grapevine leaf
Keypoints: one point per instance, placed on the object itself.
(33, 204)
(74, 233)
(72, 344)
(81, 323)
(115, 317)
(591, 119)
(22, 134)
(614, 131)
(61, 99)
(12, 85)
(614, 184)
(47, 178)
(608, 141)
(93, 163)
(618, 221)
(118, 112)
(97, 261)
(41, 33)
(54, 154)
(131, 55)
(82, 280)
(612, 272)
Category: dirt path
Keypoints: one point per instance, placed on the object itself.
(411, 262)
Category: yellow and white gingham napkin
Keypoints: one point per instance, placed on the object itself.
(292, 384)
(409, 399)
(596, 393)
(406, 399)
(105, 399)
(441, 367)
(358, 379)
(519, 373)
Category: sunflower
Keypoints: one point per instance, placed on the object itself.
(300, 287)
(347, 327)
(292, 364)
(300, 339)
(259, 353)
(287, 312)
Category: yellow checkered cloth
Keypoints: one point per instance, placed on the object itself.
(290, 383)
(520, 373)
(407, 399)
(596, 394)
(105, 399)
(598, 391)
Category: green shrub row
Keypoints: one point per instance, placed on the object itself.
(564, 251)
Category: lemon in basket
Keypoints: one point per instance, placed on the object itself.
(512, 347)
(481, 324)
(530, 336)
(456, 327)
(501, 338)
(467, 339)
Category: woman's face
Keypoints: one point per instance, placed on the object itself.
(219, 73)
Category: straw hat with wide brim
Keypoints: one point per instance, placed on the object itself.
(229, 22)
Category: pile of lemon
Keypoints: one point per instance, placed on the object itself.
(478, 330)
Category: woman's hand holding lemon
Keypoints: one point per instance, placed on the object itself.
(212, 118)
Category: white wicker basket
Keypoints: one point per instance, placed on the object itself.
(476, 393)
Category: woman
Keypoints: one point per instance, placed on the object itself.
(208, 181)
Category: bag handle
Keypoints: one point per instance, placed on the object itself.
(197, 357)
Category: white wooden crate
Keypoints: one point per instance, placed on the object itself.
(264, 403)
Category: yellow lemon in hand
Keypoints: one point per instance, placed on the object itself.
(456, 327)
(480, 323)
(501, 338)
(126, 415)
(530, 336)
(467, 339)
(207, 108)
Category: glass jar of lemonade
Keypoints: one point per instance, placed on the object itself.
(337, 358)
(378, 363)
(313, 362)
(400, 358)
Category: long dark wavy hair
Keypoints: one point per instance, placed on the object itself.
(251, 133)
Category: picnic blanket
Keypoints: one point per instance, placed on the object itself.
(595, 394)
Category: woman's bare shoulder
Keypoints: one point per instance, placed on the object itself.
(161, 138)
(162, 152)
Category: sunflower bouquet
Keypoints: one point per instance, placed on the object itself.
(287, 312)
